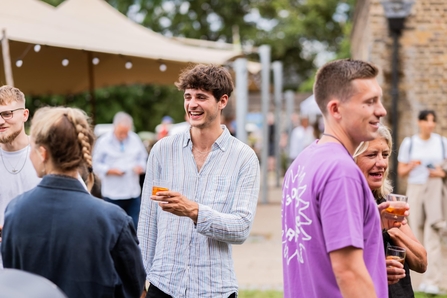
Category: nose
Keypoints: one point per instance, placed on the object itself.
(380, 111)
(192, 102)
(381, 162)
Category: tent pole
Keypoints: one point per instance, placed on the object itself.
(91, 78)
(7, 60)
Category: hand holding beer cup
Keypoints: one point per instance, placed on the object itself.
(397, 207)
(395, 259)
(156, 189)
(159, 186)
(396, 253)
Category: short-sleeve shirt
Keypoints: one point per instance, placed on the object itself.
(327, 205)
(426, 151)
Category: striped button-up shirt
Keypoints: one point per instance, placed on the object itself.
(187, 260)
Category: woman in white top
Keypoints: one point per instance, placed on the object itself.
(420, 158)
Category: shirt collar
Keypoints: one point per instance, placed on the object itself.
(221, 142)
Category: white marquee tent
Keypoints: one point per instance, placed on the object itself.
(78, 31)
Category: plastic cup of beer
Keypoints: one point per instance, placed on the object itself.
(156, 188)
(396, 253)
(397, 208)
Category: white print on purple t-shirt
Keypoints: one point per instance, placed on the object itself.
(297, 233)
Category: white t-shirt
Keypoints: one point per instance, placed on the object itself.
(427, 151)
(300, 138)
(12, 185)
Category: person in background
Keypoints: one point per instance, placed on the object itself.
(301, 137)
(17, 174)
(372, 157)
(213, 179)
(419, 160)
(180, 127)
(87, 247)
(119, 157)
(163, 128)
(331, 233)
(271, 141)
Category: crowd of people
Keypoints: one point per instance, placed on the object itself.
(174, 238)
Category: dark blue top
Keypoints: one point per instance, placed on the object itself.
(87, 247)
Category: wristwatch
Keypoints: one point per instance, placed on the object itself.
(147, 285)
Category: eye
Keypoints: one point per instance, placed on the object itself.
(6, 114)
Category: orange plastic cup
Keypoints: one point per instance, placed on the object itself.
(156, 189)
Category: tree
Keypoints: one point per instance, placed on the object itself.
(299, 31)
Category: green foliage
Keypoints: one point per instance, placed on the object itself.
(297, 30)
(146, 104)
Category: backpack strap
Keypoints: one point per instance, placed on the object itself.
(410, 147)
(443, 147)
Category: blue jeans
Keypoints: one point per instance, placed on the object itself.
(131, 206)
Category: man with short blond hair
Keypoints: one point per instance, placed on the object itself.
(17, 173)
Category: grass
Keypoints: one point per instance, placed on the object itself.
(423, 295)
(260, 294)
(278, 294)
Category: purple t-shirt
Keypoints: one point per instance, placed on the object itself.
(327, 205)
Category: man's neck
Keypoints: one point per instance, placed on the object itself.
(338, 136)
(20, 142)
(205, 138)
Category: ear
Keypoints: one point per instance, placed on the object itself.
(223, 101)
(43, 153)
(334, 108)
(25, 115)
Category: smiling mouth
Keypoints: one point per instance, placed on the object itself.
(376, 175)
(195, 114)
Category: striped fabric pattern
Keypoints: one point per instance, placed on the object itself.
(187, 260)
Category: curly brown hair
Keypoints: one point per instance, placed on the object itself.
(211, 78)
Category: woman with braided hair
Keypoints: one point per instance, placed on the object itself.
(86, 246)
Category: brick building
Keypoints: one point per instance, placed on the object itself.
(422, 60)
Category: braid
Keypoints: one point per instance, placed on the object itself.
(83, 139)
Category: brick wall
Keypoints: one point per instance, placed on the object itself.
(422, 60)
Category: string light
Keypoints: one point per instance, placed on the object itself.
(19, 61)
(163, 67)
(37, 48)
(128, 65)
(65, 62)
(95, 61)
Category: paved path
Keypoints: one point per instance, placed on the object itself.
(258, 262)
